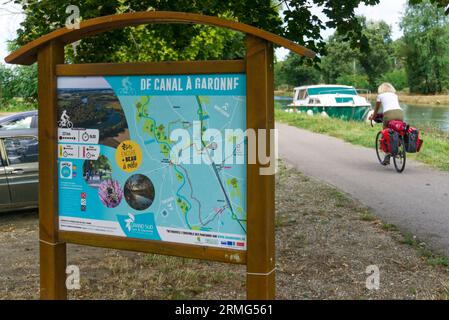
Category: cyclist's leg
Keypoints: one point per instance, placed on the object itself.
(386, 119)
(397, 114)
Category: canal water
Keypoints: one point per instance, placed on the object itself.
(419, 116)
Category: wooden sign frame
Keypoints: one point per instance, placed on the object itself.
(258, 67)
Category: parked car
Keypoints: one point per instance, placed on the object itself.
(19, 169)
(19, 121)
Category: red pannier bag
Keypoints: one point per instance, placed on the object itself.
(413, 141)
(397, 125)
(389, 142)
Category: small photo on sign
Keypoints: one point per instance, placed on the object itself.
(110, 193)
(139, 192)
(97, 171)
(91, 107)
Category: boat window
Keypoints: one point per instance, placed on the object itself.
(296, 97)
(302, 94)
(332, 90)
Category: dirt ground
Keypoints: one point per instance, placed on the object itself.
(325, 241)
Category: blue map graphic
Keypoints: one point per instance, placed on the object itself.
(197, 203)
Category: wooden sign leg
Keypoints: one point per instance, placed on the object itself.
(52, 252)
(260, 188)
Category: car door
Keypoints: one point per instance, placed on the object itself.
(34, 122)
(5, 200)
(22, 169)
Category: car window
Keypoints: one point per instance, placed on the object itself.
(21, 150)
(17, 124)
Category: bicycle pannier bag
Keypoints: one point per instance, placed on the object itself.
(390, 143)
(397, 125)
(413, 140)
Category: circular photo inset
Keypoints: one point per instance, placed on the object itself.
(139, 192)
(110, 193)
(97, 171)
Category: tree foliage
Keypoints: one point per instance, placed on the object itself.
(345, 64)
(152, 42)
(295, 70)
(377, 59)
(341, 59)
(18, 82)
(419, 60)
(171, 42)
(360, 53)
(426, 38)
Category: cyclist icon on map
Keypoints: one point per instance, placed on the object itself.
(65, 122)
(127, 87)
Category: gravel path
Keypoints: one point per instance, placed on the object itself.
(416, 201)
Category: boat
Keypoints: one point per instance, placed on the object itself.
(335, 101)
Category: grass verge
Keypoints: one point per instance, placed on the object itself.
(435, 151)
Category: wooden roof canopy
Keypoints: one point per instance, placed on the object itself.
(27, 54)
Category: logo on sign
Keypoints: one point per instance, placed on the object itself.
(83, 201)
(66, 170)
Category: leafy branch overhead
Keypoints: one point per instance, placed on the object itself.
(359, 52)
(293, 19)
(440, 3)
(418, 62)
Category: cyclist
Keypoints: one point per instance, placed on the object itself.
(64, 118)
(388, 99)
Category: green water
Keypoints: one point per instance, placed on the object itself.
(427, 116)
(419, 116)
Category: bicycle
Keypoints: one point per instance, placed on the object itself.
(65, 124)
(399, 158)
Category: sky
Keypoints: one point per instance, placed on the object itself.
(387, 10)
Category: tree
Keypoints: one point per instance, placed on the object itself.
(5, 80)
(295, 71)
(377, 58)
(426, 35)
(18, 82)
(360, 67)
(397, 77)
(359, 81)
(440, 3)
(340, 59)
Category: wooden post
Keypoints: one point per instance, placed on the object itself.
(52, 252)
(260, 188)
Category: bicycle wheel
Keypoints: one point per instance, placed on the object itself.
(380, 154)
(400, 158)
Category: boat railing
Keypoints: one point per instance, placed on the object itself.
(366, 93)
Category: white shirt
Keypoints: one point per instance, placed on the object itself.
(389, 101)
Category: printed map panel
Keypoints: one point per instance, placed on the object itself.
(154, 157)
